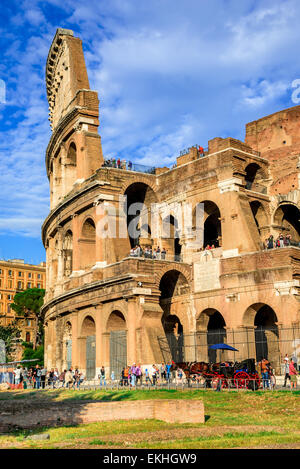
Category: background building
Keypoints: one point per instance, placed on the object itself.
(104, 306)
(16, 276)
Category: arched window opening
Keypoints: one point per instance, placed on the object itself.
(116, 326)
(172, 285)
(87, 244)
(287, 222)
(140, 196)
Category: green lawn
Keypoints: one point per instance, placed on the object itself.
(233, 420)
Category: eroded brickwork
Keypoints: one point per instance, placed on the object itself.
(97, 294)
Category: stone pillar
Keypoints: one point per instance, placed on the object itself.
(99, 338)
(105, 349)
(133, 308)
(100, 214)
(75, 333)
(76, 235)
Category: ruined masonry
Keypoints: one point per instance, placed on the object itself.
(105, 307)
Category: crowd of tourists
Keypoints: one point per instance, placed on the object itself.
(118, 163)
(279, 242)
(136, 375)
(148, 252)
(40, 378)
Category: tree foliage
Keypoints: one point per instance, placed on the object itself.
(9, 334)
(29, 302)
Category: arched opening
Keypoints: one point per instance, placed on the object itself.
(68, 253)
(140, 196)
(253, 178)
(212, 235)
(116, 326)
(171, 236)
(266, 335)
(211, 329)
(87, 244)
(72, 155)
(27, 337)
(287, 222)
(173, 284)
(88, 330)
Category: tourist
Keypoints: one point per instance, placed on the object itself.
(102, 376)
(62, 378)
(43, 377)
(139, 374)
(293, 374)
(37, 377)
(112, 377)
(17, 374)
(163, 253)
(126, 376)
(118, 163)
(168, 372)
(69, 378)
(153, 372)
(147, 375)
(133, 375)
(123, 164)
(270, 244)
(162, 372)
(129, 165)
(265, 373)
(201, 151)
(286, 370)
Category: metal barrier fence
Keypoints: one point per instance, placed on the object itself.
(215, 383)
(256, 342)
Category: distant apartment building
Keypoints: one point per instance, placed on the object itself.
(15, 277)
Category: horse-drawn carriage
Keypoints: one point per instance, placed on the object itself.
(242, 375)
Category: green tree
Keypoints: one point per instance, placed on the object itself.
(28, 303)
(9, 334)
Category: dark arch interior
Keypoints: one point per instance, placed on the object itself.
(138, 192)
(266, 331)
(288, 218)
(212, 224)
(216, 334)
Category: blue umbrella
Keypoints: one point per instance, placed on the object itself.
(222, 347)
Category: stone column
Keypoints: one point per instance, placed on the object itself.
(76, 234)
(99, 338)
(100, 214)
(133, 308)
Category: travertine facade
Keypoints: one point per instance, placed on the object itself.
(104, 307)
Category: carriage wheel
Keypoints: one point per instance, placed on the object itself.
(241, 380)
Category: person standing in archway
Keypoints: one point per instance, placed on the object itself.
(286, 370)
(293, 374)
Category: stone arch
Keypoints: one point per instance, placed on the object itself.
(171, 233)
(88, 345)
(210, 329)
(254, 174)
(87, 243)
(140, 195)
(262, 319)
(173, 285)
(286, 220)
(212, 234)
(72, 154)
(117, 328)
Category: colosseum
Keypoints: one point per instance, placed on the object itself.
(232, 278)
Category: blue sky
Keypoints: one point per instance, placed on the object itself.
(169, 73)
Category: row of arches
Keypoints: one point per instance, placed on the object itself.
(211, 328)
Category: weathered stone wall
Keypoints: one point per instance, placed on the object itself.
(32, 414)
